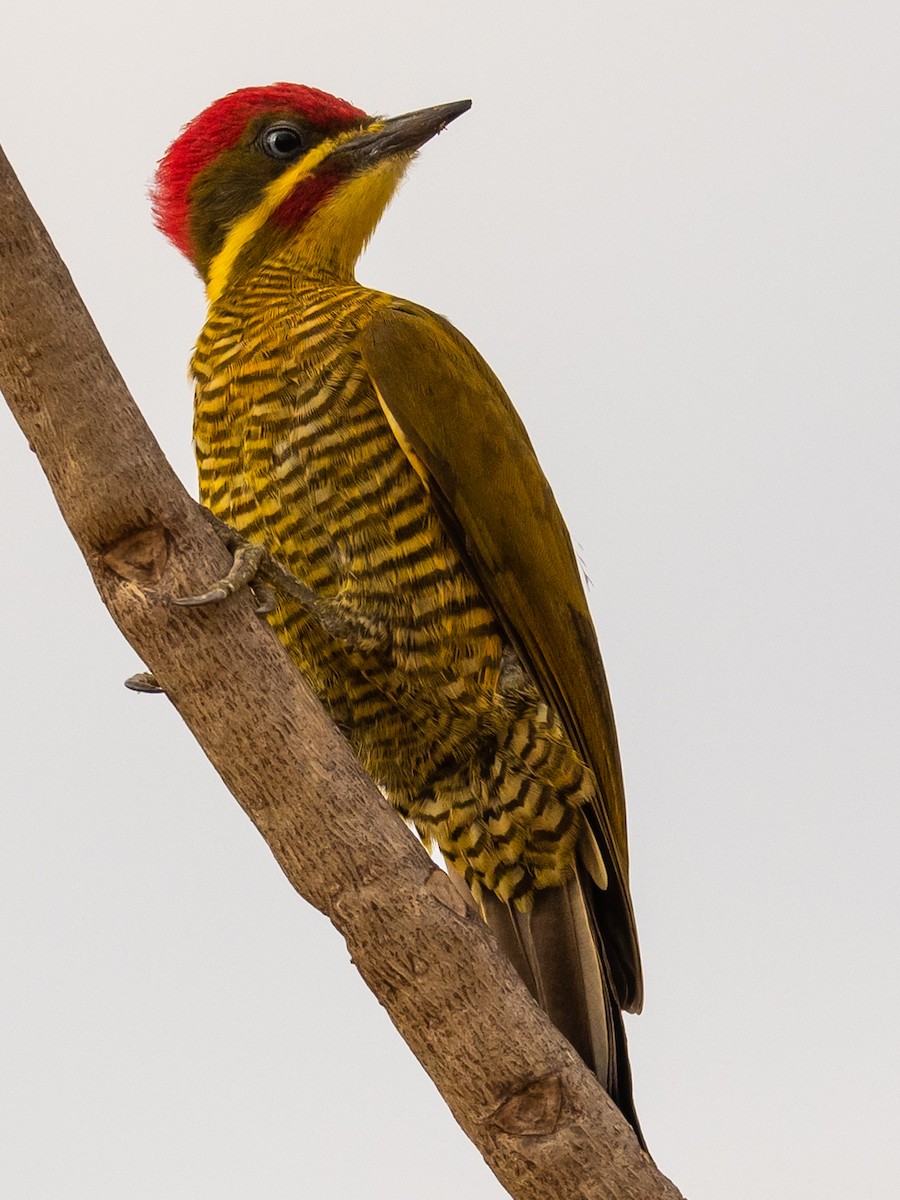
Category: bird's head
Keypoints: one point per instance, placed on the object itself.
(284, 168)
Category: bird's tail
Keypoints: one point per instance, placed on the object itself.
(557, 949)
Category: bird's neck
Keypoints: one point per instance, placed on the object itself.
(285, 265)
(321, 243)
(282, 284)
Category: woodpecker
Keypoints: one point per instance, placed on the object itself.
(370, 450)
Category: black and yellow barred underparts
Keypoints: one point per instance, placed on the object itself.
(296, 453)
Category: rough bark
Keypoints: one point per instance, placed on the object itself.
(517, 1088)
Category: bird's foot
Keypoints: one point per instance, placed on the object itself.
(254, 567)
(144, 681)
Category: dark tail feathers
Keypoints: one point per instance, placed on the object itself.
(557, 949)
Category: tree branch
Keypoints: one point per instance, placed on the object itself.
(523, 1096)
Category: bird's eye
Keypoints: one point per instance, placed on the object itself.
(281, 141)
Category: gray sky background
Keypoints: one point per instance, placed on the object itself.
(672, 229)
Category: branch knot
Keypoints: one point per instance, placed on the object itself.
(532, 1111)
(140, 556)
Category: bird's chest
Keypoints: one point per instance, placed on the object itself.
(294, 450)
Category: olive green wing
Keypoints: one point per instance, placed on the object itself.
(461, 433)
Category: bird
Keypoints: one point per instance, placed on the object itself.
(368, 449)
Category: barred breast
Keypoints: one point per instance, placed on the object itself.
(295, 452)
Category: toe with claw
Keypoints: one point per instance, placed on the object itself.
(245, 572)
(144, 681)
(252, 567)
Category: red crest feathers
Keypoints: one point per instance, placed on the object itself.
(220, 127)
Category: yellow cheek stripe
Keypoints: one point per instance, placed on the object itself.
(247, 226)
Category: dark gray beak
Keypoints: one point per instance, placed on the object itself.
(397, 135)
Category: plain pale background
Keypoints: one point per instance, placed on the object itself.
(672, 230)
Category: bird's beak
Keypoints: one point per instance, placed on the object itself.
(396, 135)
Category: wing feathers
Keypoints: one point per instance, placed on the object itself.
(460, 432)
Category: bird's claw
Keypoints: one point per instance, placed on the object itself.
(213, 596)
(248, 560)
(265, 594)
(253, 567)
(144, 681)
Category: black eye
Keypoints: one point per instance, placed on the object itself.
(281, 141)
